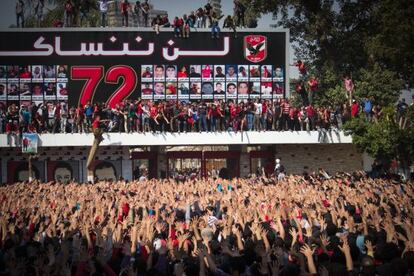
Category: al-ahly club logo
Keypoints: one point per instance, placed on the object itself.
(255, 48)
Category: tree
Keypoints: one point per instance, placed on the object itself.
(342, 37)
(391, 137)
(392, 37)
(377, 83)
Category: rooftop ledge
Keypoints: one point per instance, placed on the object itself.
(187, 139)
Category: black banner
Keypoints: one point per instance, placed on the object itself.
(110, 66)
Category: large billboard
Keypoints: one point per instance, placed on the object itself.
(77, 65)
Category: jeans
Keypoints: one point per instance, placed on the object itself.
(368, 116)
(63, 122)
(202, 122)
(257, 122)
(322, 135)
(203, 21)
(68, 19)
(51, 124)
(182, 126)
(145, 19)
(177, 31)
(103, 19)
(249, 121)
(283, 121)
(240, 19)
(88, 122)
(213, 123)
(20, 16)
(125, 19)
(84, 16)
(215, 31)
(145, 123)
(199, 22)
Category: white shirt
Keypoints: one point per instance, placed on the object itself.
(258, 107)
(103, 6)
(52, 113)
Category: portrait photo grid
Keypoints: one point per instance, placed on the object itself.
(24, 84)
(211, 82)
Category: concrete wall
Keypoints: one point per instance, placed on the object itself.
(187, 139)
(332, 158)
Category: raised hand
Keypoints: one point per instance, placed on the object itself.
(347, 252)
(325, 241)
(275, 267)
(370, 248)
(293, 233)
(160, 227)
(182, 238)
(306, 250)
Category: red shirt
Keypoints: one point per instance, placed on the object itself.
(57, 112)
(292, 112)
(173, 89)
(178, 22)
(206, 72)
(146, 74)
(298, 88)
(286, 108)
(301, 67)
(95, 124)
(139, 109)
(80, 112)
(182, 74)
(26, 75)
(313, 85)
(233, 112)
(310, 111)
(264, 108)
(354, 110)
(124, 7)
(153, 111)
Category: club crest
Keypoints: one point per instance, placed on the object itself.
(255, 48)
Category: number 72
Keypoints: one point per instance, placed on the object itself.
(94, 75)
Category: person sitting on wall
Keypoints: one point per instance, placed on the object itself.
(229, 24)
(215, 29)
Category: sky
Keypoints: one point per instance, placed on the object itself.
(174, 8)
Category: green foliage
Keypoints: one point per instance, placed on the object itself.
(333, 97)
(386, 139)
(382, 85)
(392, 36)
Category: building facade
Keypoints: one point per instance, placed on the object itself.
(172, 154)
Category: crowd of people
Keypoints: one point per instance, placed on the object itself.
(79, 14)
(344, 225)
(172, 116)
